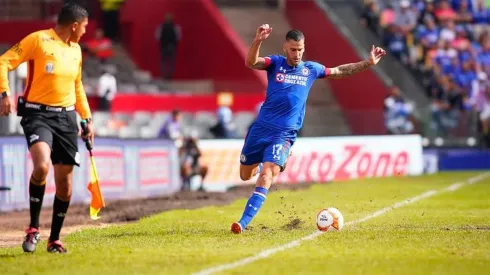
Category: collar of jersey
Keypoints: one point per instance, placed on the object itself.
(57, 38)
(294, 67)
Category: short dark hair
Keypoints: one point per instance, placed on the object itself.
(71, 13)
(175, 112)
(295, 35)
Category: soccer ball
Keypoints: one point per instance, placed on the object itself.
(330, 219)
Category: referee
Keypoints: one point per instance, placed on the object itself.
(53, 92)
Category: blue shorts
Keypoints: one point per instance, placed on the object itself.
(266, 145)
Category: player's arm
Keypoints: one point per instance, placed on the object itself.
(253, 60)
(349, 69)
(82, 106)
(15, 56)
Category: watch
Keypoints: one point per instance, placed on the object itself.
(4, 94)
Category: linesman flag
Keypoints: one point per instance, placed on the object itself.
(97, 202)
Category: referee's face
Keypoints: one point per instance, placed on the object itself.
(78, 30)
(294, 51)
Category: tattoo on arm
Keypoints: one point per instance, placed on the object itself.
(349, 69)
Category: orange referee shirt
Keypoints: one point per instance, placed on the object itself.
(54, 71)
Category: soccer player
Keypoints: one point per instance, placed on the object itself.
(53, 93)
(269, 140)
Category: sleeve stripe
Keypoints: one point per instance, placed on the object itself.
(267, 62)
(327, 71)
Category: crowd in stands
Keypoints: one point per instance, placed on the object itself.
(446, 44)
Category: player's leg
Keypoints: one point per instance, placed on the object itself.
(269, 173)
(275, 156)
(65, 156)
(39, 140)
(63, 174)
(249, 171)
(252, 153)
(202, 171)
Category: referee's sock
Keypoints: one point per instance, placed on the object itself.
(36, 195)
(253, 206)
(59, 212)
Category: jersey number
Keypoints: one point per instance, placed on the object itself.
(276, 151)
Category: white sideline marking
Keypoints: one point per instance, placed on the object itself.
(268, 252)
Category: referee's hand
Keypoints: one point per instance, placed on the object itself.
(7, 106)
(89, 134)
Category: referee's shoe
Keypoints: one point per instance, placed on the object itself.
(31, 240)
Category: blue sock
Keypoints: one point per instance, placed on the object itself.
(253, 206)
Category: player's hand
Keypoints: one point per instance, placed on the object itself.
(7, 106)
(376, 54)
(263, 32)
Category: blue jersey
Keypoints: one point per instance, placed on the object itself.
(287, 91)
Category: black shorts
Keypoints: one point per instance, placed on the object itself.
(58, 130)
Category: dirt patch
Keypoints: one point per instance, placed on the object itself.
(467, 228)
(122, 211)
(293, 224)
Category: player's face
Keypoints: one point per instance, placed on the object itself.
(294, 51)
(78, 29)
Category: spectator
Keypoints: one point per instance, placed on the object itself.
(427, 13)
(172, 128)
(370, 16)
(110, 14)
(190, 162)
(428, 34)
(100, 46)
(225, 127)
(387, 17)
(444, 12)
(466, 76)
(484, 119)
(447, 102)
(106, 90)
(396, 43)
(481, 17)
(406, 19)
(168, 35)
(448, 33)
(461, 40)
(397, 113)
(463, 14)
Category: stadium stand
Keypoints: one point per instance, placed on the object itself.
(445, 44)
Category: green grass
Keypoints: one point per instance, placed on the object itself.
(448, 233)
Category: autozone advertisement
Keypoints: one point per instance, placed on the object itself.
(322, 159)
(126, 169)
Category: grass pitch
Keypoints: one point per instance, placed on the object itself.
(448, 233)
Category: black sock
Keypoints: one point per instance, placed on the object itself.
(36, 195)
(59, 212)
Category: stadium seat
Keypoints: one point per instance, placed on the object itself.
(204, 118)
(142, 76)
(100, 118)
(126, 88)
(122, 116)
(148, 88)
(141, 118)
(243, 121)
(187, 119)
(148, 132)
(128, 132)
